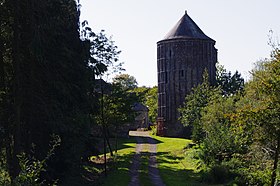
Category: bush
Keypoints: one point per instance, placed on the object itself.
(217, 174)
(153, 129)
(32, 168)
(4, 177)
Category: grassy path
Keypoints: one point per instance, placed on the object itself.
(136, 162)
(153, 167)
(144, 140)
(176, 165)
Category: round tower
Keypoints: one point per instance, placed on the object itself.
(182, 57)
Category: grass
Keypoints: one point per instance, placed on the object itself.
(177, 164)
(120, 174)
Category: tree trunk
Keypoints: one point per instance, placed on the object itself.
(273, 175)
(108, 142)
(116, 140)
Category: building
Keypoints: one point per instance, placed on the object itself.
(142, 116)
(182, 57)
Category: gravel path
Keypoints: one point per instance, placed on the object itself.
(136, 162)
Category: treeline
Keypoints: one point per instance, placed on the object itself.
(49, 95)
(236, 126)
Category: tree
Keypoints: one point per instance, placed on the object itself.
(118, 107)
(46, 83)
(152, 103)
(148, 96)
(252, 124)
(223, 137)
(101, 52)
(126, 81)
(194, 104)
(267, 87)
(230, 84)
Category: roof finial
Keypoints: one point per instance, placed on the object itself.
(186, 12)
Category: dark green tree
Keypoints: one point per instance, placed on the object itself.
(101, 51)
(230, 83)
(46, 80)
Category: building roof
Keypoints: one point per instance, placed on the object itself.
(140, 107)
(186, 28)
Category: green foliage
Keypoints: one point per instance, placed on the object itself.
(149, 97)
(152, 103)
(32, 168)
(194, 103)
(241, 133)
(223, 137)
(118, 107)
(266, 86)
(154, 130)
(120, 172)
(125, 81)
(101, 53)
(229, 84)
(44, 81)
(217, 174)
(179, 165)
(4, 175)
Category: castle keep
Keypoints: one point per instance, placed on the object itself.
(182, 57)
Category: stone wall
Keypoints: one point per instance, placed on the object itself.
(181, 64)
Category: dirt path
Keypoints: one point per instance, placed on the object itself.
(134, 174)
(153, 171)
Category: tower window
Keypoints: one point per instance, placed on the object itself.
(169, 53)
(182, 73)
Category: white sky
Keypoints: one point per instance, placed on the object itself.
(239, 27)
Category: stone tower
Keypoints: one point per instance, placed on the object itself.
(182, 57)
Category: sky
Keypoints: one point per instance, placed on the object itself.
(241, 29)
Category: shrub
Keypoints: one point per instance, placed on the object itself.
(217, 174)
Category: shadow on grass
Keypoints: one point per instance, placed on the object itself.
(123, 143)
(146, 140)
(181, 177)
(119, 172)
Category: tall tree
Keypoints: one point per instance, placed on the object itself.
(267, 87)
(126, 81)
(101, 51)
(46, 82)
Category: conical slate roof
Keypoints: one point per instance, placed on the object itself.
(186, 28)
